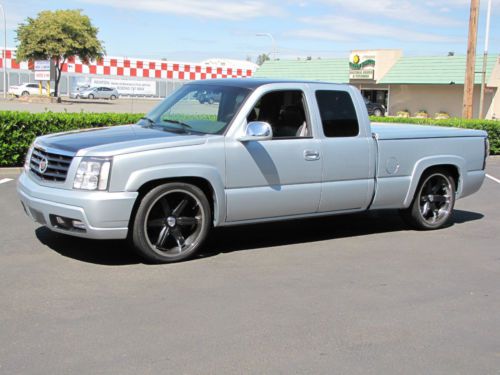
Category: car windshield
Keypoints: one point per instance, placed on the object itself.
(197, 108)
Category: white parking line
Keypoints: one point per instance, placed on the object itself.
(493, 178)
(4, 180)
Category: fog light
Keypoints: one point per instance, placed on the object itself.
(60, 221)
(78, 224)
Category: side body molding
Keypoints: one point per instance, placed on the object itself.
(140, 177)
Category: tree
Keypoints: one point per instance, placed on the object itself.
(57, 36)
(261, 59)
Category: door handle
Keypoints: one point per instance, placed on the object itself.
(311, 155)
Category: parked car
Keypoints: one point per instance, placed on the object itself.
(374, 109)
(98, 93)
(27, 89)
(209, 97)
(78, 90)
(274, 150)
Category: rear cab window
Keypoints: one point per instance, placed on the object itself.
(338, 114)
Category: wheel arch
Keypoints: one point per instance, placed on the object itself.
(207, 179)
(453, 164)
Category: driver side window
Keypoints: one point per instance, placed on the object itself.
(284, 110)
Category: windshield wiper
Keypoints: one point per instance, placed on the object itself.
(184, 125)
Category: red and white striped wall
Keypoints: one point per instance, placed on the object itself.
(130, 67)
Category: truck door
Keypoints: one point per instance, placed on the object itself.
(278, 177)
(348, 150)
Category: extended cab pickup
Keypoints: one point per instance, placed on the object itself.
(268, 150)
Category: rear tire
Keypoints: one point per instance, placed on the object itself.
(432, 206)
(378, 113)
(171, 223)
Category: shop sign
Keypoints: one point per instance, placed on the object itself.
(127, 86)
(44, 70)
(42, 75)
(42, 65)
(361, 66)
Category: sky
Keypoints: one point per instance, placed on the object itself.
(195, 30)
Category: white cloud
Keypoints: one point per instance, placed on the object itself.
(414, 11)
(339, 28)
(223, 9)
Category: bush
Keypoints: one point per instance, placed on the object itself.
(19, 129)
(491, 126)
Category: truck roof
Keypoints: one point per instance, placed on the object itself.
(253, 83)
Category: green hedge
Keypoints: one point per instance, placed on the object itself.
(19, 129)
(491, 126)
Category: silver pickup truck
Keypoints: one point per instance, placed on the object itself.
(267, 150)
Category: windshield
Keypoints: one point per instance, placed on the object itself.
(197, 108)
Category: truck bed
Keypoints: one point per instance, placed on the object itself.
(409, 131)
(405, 151)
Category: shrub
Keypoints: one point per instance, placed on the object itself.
(491, 126)
(422, 113)
(441, 115)
(19, 129)
(404, 113)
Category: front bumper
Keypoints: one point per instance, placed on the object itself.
(103, 215)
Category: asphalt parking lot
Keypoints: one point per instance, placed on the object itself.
(356, 294)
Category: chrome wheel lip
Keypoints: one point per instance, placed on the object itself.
(190, 243)
(435, 206)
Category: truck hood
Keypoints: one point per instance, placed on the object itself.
(116, 140)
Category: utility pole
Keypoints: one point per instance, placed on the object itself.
(470, 73)
(485, 60)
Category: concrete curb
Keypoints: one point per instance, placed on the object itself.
(10, 171)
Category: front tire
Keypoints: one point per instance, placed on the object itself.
(378, 113)
(432, 206)
(171, 223)
(91, 96)
(25, 93)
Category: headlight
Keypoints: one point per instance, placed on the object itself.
(92, 174)
(28, 158)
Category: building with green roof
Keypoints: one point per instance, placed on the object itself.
(433, 84)
(331, 70)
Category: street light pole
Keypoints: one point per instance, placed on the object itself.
(269, 35)
(485, 60)
(4, 55)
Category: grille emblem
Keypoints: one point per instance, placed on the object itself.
(44, 164)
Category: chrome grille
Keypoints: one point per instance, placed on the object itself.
(56, 165)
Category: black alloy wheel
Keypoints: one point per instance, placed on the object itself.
(432, 206)
(171, 223)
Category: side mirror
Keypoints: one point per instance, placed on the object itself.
(257, 131)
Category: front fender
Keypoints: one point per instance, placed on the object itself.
(143, 176)
(433, 161)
